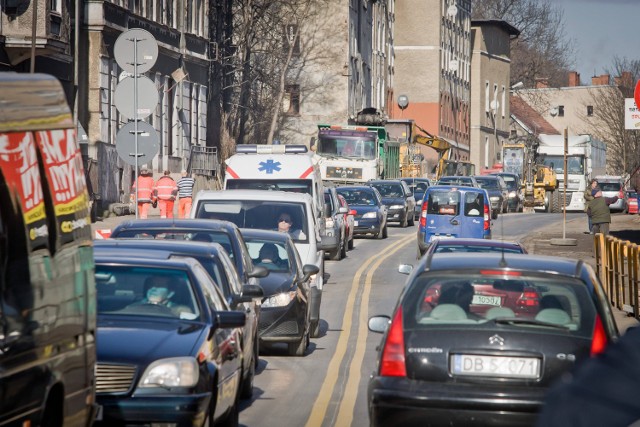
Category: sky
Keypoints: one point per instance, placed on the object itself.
(601, 29)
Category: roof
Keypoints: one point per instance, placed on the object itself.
(169, 246)
(508, 28)
(530, 118)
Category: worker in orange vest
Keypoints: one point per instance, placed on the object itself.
(144, 185)
(166, 191)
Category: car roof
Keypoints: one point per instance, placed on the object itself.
(497, 261)
(169, 246)
(184, 263)
(354, 187)
(384, 181)
(255, 233)
(176, 224)
(457, 187)
(479, 242)
(409, 178)
(269, 195)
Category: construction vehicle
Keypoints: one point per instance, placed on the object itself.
(539, 182)
(445, 166)
(357, 152)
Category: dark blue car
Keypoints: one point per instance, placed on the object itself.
(167, 348)
(418, 186)
(371, 213)
(398, 199)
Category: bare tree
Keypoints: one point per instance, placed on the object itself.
(542, 50)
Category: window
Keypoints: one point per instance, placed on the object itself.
(291, 101)
(56, 6)
(589, 110)
(560, 110)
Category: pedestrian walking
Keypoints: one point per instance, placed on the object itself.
(166, 191)
(589, 194)
(185, 194)
(144, 185)
(600, 214)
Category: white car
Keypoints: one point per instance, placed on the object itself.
(262, 210)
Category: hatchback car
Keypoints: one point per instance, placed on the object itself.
(370, 214)
(228, 236)
(471, 358)
(418, 186)
(399, 200)
(166, 344)
(335, 224)
(240, 296)
(613, 188)
(498, 193)
(284, 312)
(466, 246)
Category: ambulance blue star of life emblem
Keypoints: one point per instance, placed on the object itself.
(269, 166)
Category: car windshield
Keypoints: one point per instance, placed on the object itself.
(258, 214)
(488, 184)
(294, 185)
(511, 182)
(520, 301)
(269, 254)
(389, 190)
(362, 197)
(213, 236)
(145, 291)
(443, 247)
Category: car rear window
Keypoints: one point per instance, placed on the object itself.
(389, 190)
(610, 186)
(443, 203)
(491, 184)
(442, 248)
(519, 301)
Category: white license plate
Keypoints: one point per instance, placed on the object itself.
(438, 237)
(495, 366)
(486, 300)
(355, 223)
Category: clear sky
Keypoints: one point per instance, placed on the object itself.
(601, 29)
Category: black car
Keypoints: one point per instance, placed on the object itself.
(285, 314)
(228, 236)
(417, 186)
(371, 213)
(399, 200)
(167, 349)
(479, 340)
(515, 202)
(498, 194)
(216, 261)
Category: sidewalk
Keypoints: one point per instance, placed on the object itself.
(625, 227)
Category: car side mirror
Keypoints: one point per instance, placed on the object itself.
(308, 270)
(259, 271)
(409, 194)
(249, 293)
(405, 268)
(343, 210)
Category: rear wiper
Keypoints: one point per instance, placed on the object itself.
(512, 321)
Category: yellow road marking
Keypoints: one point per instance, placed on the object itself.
(321, 404)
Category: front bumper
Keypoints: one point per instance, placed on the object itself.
(283, 324)
(366, 226)
(183, 410)
(401, 401)
(396, 215)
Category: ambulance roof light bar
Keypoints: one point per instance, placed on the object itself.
(271, 149)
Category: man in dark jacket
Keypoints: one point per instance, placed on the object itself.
(602, 392)
(600, 214)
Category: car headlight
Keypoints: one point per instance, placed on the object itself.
(396, 207)
(494, 198)
(512, 194)
(328, 222)
(279, 300)
(370, 215)
(174, 372)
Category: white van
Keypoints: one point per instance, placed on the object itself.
(280, 168)
(261, 210)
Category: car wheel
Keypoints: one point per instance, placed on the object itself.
(246, 387)
(405, 222)
(232, 419)
(297, 348)
(315, 329)
(343, 252)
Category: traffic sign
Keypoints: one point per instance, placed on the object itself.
(136, 47)
(636, 94)
(148, 143)
(145, 90)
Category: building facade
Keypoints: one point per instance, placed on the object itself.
(433, 69)
(490, 77)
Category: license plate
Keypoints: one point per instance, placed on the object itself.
(495, 366)
(438, 237)
(486, 300)
(355, 223)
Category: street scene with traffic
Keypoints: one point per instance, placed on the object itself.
(315, 213)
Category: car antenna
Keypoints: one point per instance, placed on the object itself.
(503, 261)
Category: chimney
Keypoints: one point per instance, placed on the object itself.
(601, 80)
(542, 83)
(625, 80)
(574, 78)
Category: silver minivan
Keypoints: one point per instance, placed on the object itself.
(264, 210)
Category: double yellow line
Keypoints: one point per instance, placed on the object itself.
(347, 404)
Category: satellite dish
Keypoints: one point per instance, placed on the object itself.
(452, 10)
(494, 105)
(553, 111)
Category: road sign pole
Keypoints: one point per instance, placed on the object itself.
(135, 113)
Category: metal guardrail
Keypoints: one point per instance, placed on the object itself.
(618, 267)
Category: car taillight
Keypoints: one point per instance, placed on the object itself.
(487, 218)
(599, 341)
(392, 363)
(620, 194)
(423, 214)
(529, 298)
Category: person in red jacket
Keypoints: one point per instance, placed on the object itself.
(145, 188)
(166, 191)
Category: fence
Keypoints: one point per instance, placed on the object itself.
(617, 265)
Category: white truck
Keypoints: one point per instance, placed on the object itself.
(586, 158)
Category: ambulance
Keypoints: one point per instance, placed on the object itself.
(287, 167)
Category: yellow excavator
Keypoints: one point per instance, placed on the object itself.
(445, 166)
